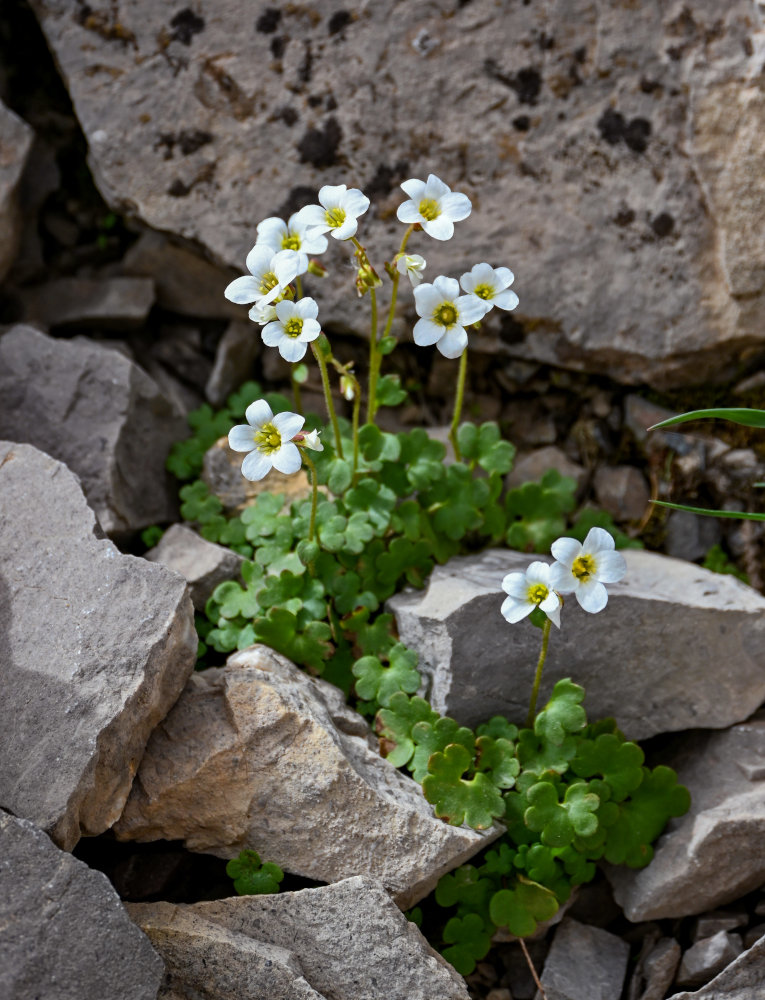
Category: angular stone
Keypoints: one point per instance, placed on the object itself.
(690, 873)
(222, 472)
(622, 491)
(16, 138)
(645, 659)
(575, 132)
(96, 647)
(99, 303)
(706, 958)
(584, 963)
(744, 979)
(239, 346)
(259, 755)
(656, 971)
(203, 564)
(534, 464)
(102, 415)
(64, 935)
(349, 939)
(690, 536)
(719, 920)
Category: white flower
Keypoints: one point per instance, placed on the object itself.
(268, 439)
(583, 568)
(270, 273)
(262, 313)
(293, 329)
(411, 264)
(338, 212)
(530, 590)
(445, 314)
(434, 205)
(291, 235)
(491, 285)
(311, 440)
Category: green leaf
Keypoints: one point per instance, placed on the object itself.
(741, 515)
(485, 446)
(536, 511)
(469, 941)
(475, 801)
(499, 728)
(497, 758)
(199, 504)
(423, 457)
(373, 499)
(562, 714)
(643, 817)
(718, 561)
(736, 415)
(537, 756)
(521, 908)
(619, 763)
(233, 600)
(281, 630)
(386, 344)
(390, 391)
(339, 476)
(251, 878)
(405, 558)
(379, 682)
(358, 531)
(558, 822)
(463, 885)
(151, 536)
(300, 373)
(438, 734)
(394, 726)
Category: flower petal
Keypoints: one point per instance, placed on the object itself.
(255, 466)
(307, 308)
(514, 611)
(456, 206)
(241, 438)
(331, 195)
(426, 332)
(287, 459)
(552, 610)
(292, 349)
(441, 228)
(453, 342)
(311, 216)
(288, 424)
(592, 596)
(271, 232)
(408, 212)
(273, 334)
(311, 330)
(565, 550)
(505, 276)
(448, 287)
(506, 300)
(515, 585)
(258, 413)
(611, 567)
(598, 540)
(347, 229)
(427, 298)
(561, 578)
(538, 572)
(259, 259)
(471, 309)
(355, 202)
(414, 188)
(243, 290)
(436, 188)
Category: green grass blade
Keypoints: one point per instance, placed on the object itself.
(743, 515)
(736, 415)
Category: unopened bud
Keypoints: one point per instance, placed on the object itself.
(347, 387)
(366, 278)
(317, 268)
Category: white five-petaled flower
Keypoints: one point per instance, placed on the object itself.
(583, 568)
(532, 589)
(338, 212)
(268, 439)
(293, 329)
(291, 235)
(270, 273)
(434, 205)
(491, 285)
(411, 264)
(445, 314)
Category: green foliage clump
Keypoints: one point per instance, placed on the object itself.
(253, 877)
(719, 561)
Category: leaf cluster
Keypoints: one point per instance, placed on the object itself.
(253, 877)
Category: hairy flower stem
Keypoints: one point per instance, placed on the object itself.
(458, 400)
(319, 355)
(296, 393)
(538, 676)
(314, 495)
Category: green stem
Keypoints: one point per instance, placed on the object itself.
(298, 287)
(296, 389)
(318, 354)
(355, 419)
(538, 676)
(314, 497)
(458, 400)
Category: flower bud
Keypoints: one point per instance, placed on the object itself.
(347, 387)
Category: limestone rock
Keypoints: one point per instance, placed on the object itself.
(622, 491)
(16, 138)
(585, 138)
(102, 415)
(677, 646)
(534, 464)
(691, 872)
(239, 346)
(349, 939)
(95, 647)
(203, 564)
(655, 970)
(222, 472)
(102, 303)
(64, 935)
(584, 963)
(259, 755)
(706, 958)
(744, 979)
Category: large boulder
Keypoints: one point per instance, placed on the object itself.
(677, 646)
(595, 146)
(346, 941)
(64, 935)
(95, 647)
(97, 411)
(259, 755)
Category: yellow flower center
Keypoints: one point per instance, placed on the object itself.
(291, 242)
(583, 567)
(268, 281)
(537, 593)
(483, 291)
(429, 209)
(445, 315)
(268, 439)
(294, 326)
(335, 217)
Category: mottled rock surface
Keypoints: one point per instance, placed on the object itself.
(116, 303)
(677, 646)
(64, 935)
(707, 957)
(95, 647)
(586, 137)
(237, 350)
(97, 411)
(743, 979)
(203, 564)
(16, 138)
(259, 755)
(716, 852)
(349, 939)
(584, 963)
(222, 472)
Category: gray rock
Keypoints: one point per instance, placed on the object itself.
(608, 139)
(690, 873)
(222, 472)
(655, 971)
(690, 536)
(259, 755)
(584, 963)
(95, 647)
(239, 346)
(16, 138)
(202, 563)
(622, 491)
(349, 939)
(743, 979)
(707, 957)
(533, 465)
(103, 416)
(64, 935)
(633, 658)
(99, 303)
(712, 923)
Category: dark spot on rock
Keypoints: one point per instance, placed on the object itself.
(637, 134)
(288, 115)
(304, 70)
(278, 45)
(546, 42)
(624, 217)
(580, 54)
(315, 100)
(675, 53)
(510, 330)
(319, 146)
(330, 103)
(386, 178)
(614, 128)
(188, 141)
(186, 24)
(526, 82)
(611, 125)
(463, 3)
(268, 21)
(748, 47)
(663, 224)
(178, 189)
(522, 123)
(649, 86)
(338, 21)
(84, 13)
(295, 200)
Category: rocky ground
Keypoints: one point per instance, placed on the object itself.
(615, 163)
